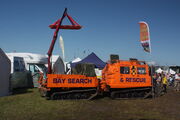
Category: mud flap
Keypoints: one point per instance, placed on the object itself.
(93, 96)
(148, 95)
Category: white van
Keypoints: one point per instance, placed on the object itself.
(33, 63)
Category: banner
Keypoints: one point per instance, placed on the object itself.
(145, 36)
(61, 42)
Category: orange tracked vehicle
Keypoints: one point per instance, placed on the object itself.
(126, 79)
(63, 86)
(120, 79)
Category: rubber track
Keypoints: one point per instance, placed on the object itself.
(76, 91)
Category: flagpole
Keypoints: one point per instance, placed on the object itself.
(145, 39)
(150, 52)
(152, 79)
(153, 91)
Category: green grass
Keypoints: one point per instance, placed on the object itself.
(30, 106)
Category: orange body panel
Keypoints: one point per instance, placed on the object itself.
(112, 76)
(70, 81)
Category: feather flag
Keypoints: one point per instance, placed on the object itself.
(145, 36)
(61, 42)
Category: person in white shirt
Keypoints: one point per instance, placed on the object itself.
(177, 82)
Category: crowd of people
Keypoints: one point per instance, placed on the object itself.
(162, 80)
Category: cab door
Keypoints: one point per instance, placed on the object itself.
(35, 74)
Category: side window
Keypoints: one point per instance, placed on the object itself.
(31, 68)
(36, 69)
(141, 70)
(16, 66)
(19, 65)
(124, 70)
(22, 66)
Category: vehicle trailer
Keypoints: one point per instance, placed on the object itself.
(126, 79)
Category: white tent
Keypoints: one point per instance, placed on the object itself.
(59, 67)
(159, 70)
(172, 71)
(5, 69)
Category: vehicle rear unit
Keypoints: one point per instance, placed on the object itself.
(126, 79)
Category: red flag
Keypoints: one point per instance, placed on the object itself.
(145, 36)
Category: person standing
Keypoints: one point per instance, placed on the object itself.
(159, 80)
(158, 84)
(177, 82)
(154, 78)
(164, 82)
(171, 80)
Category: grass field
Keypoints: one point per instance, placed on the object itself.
(28, 105)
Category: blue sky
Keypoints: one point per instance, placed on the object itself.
(109, 27)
